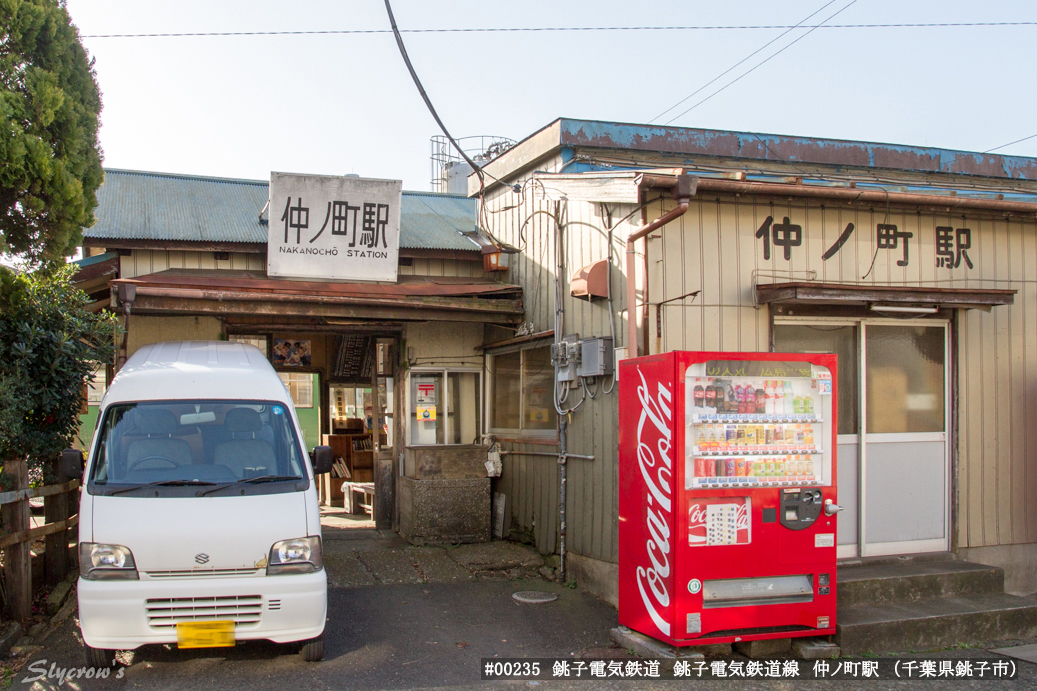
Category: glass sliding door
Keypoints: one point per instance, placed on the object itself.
(905, 487)
(840, 338)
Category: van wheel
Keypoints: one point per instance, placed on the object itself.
(313, 649)
(99, 657)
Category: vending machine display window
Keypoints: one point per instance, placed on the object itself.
(756, 424)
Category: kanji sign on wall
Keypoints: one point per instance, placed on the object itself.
(339, 228)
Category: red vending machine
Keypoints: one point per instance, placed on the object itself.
(727, 496)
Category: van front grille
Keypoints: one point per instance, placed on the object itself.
(166, 613)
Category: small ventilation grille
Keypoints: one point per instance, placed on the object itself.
(273, 605)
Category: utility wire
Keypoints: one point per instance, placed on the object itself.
(680, 102)
(424, 96)
(1010, 143)
(478, 30)
(760, 64)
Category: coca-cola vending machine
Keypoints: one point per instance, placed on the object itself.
(727, 496)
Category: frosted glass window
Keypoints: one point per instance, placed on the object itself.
(905, 372)
(841, 340)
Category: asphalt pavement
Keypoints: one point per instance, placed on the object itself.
(402, 617)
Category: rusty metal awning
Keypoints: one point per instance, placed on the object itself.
(844, 294)
(253, 293)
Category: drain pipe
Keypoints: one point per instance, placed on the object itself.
(685, 189)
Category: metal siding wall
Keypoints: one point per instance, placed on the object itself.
(713, 248)
(142, 262)
(531, 482)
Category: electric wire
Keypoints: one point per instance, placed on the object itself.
(547, 29)
(1010, 143)
(779, 36)
(761, 64)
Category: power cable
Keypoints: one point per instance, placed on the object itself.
(533, 29)
(760, 64)
(1010, 143)
(424, 96)
(740, 62)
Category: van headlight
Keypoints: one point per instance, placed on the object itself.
(101, 562)
(298, 555)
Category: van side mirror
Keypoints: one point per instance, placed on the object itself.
(72, 464)
(322, 460)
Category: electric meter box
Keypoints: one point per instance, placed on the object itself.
(595, 358)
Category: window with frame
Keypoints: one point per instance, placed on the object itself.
(445, 407)
(523, 391)
(300, 387)
(95, 387)
(261, 342)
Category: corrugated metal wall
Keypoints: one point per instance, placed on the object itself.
(714, 248)
(141, 262)
(526, 221)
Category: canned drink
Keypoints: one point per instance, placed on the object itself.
(704, 467)
(769, 469)
(731, 433)
(730, 467)
(720, 468)
(750, 468)
(740, 469)
(808, 467)
(779, 468)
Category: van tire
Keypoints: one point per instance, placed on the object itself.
(313, 649)
(99, 657)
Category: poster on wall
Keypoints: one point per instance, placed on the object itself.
(292, 353)
(333, 227)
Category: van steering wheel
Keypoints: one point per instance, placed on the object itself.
(153, 457)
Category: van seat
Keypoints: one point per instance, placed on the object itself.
(243, 451)
(160, 425)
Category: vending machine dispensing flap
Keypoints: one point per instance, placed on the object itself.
(746, 592)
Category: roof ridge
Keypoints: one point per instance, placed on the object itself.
(185, 176)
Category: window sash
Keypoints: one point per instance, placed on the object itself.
(442, 406)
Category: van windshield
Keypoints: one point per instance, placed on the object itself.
(180, 448)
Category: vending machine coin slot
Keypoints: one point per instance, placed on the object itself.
(799, 508)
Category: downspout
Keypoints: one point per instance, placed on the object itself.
(685, 189)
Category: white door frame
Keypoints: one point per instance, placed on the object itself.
(862, 437)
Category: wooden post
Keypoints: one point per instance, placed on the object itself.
(17, 559)
(55, 508)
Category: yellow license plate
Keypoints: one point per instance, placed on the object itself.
(205, 634)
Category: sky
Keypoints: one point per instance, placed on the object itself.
(242, 106)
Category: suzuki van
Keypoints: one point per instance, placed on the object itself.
(199, 522)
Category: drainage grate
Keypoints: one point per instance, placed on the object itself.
(533, 597)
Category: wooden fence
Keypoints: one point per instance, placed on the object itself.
(17, 536)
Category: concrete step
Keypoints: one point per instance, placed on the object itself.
(934, 623)
(912, 581)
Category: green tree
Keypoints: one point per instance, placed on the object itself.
(48, 344)
(50, 158)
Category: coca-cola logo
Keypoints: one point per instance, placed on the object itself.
(654, 444)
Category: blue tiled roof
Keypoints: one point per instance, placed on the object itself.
(139, 205)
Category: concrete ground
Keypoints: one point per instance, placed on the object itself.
(404, 617)
(400, 617)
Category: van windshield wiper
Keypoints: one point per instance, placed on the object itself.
(159, 483)
(251, 481)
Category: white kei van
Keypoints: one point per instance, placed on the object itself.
(199, 522)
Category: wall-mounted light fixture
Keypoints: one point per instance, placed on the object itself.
(904, 309)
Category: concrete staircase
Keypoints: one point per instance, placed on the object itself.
(926, 602)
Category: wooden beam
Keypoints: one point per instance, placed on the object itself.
(145, 304)
(27, 536)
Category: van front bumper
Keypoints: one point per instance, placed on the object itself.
(123, 615)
